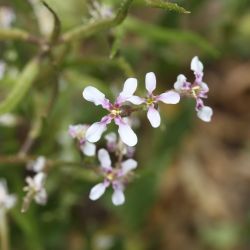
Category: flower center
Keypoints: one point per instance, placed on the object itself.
(150, 100)
(115, 112)
(111, 176)
(195, 91)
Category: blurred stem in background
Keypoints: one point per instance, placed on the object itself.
(4, 234)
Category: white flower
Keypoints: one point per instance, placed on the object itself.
(36, 188)
(7, 201)
(117, 177)
(38, 165)
(79, 132)
(169, 97)
(96, 130)
(197, 90)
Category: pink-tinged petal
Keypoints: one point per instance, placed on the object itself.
(169, 97)
(104, 158)
(118, 197)
(197, 66)
(205, 113)
(128, 165)
(94, 132)
(97, 191)
(129, 89)
(204, 87)
(154, 117)
(150, 80)
(88, 148)
(180, 83)
(94, 95)
(126, 133)
(136, 100)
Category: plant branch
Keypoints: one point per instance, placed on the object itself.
(24, 82)
(18, 34)
(94, 27)
(24, 159)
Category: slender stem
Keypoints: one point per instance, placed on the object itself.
(18, 34)
(24, 159)
(4, 237)
(94, 27)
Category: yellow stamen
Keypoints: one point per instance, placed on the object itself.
(115, 112)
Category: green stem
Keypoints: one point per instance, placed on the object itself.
(4, 237)
(18, 34)
(24, 82)
(91, 28)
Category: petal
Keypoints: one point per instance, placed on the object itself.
(128, 165)
(41, 197)
(126, 133)
(95, 131)
(136, 100)
(169, 97)
(39, 164)
(129, 88)
(92, 94)
(154, 117)
(205, 114)
(88, 148)
(197, 66)
(97, 191)
(179, 84)
(118, 197)
(39, 180)
(104, 158)
(150, 82)
(204, 87)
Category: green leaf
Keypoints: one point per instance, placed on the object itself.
(21, 87)
(167, 6)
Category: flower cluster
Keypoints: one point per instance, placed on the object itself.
(118, 174)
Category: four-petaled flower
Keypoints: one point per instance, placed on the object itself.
(151, 100)
(79, 132)
(35, 188)
(95, 131)
(7, 201)
(117, 177)
(197, 90)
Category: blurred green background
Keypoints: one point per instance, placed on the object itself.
(192, 187)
